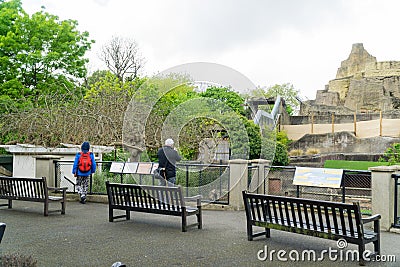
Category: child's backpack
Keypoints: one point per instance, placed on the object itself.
(85, 162)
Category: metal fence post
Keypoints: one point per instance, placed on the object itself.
(396, 222)
(56, 173)
(187, 180)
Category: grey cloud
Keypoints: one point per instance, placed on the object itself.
(223, 24)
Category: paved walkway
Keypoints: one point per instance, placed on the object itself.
(84, 237)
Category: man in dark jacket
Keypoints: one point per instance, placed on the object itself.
(167, 158)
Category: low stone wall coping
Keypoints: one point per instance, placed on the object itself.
(391, 168)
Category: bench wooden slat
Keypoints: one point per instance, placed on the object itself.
(314, 223)
(320, 220)
(342, 222)
(350, 214)
(327, 220)
(324, 219)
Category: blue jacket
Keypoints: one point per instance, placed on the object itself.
(76, 170)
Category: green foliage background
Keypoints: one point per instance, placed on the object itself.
(47, 99)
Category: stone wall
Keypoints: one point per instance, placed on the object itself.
(344, 142)
(340, 119)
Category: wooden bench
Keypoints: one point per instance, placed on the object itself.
(152, 199)
(329, 220)
(31, 189)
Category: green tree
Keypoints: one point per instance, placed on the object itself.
(227, 96)
(288, 93)
(39, 54)
(95, 77)
(392, 154)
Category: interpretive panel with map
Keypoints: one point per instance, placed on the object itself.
(124, 167)
(117, 167)
(318, 177)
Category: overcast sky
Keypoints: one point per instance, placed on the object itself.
(301, 42)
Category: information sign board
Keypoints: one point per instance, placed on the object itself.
(318, 177)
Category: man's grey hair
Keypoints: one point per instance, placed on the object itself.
(169, 142)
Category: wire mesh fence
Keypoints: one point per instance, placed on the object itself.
(210, 181)
(356, 187)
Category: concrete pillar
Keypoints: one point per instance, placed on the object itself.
(383, 194)
(259, 178)
(238, 177)
(23, 166)
(45, 168)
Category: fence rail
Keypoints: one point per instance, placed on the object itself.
(211, 181)
(371, 126)
(356, 186)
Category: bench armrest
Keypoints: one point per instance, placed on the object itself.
(375, 218)
(193, 198)
(371, 218)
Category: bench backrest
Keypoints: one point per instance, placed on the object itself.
(335, 218)
(23, 188)
(145, 197)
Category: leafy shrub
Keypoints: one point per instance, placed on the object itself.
(391, 155)
(281, 155)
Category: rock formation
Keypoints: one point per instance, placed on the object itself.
(362, 84)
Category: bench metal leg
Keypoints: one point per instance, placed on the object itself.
(377, 244)
(63, 207)
(46, 208)
(249, 231)
(361, 249)
(184, 223)
(110, 215)
(199, 219)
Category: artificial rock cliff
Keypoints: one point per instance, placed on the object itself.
(362, 84)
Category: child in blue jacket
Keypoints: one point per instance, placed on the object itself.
(82, 169)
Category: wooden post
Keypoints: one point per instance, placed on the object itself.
(312, 122)
(355, 123)
(380, 123)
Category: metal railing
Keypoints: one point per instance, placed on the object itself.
(356, 186)
(209, 180)
(396, 217)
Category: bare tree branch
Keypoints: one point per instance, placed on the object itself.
(122, 57)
